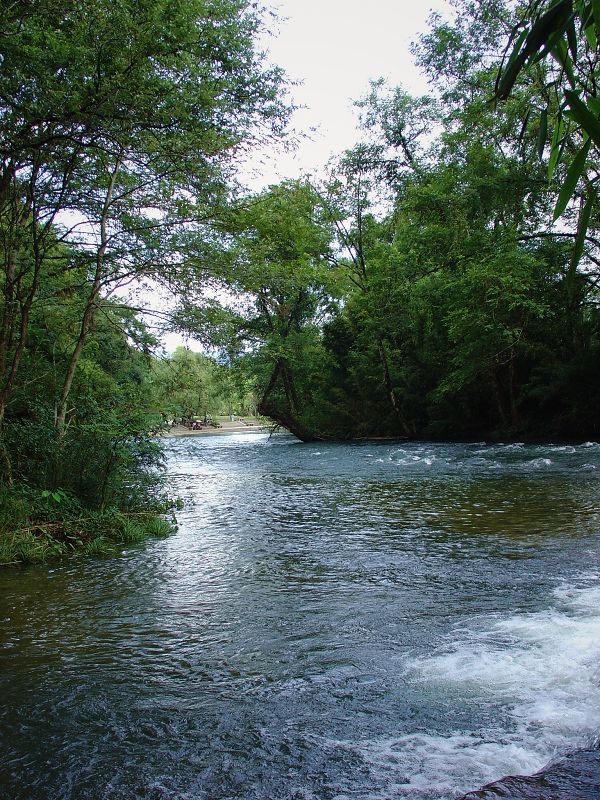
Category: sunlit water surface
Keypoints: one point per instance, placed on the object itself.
(329, 622)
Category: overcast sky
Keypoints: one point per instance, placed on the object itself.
(335, 47)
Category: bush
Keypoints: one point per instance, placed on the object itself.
(41, 525)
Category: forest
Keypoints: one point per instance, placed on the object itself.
(439, 281)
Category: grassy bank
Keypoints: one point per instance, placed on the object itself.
(38, 526)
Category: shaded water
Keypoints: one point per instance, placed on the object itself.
(334, 621)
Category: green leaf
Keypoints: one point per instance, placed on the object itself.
(524, 127)
(582, 227)
(507, 77)
(573, 175)
(584, 10)
(543, 133)
(590, 35)
(546, 28)
(552, 22)
(596, 10)
(555, 148)
(561, 53)
(572, 40)
(583, 115)
(594, 104)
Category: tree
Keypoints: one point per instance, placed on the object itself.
(120, 123)
(568, 32)
(467, 56)
(366, 182)
(276, 287)
(185, 384)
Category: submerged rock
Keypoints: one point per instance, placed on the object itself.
(575, 777)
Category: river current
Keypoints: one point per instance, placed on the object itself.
(330, 622)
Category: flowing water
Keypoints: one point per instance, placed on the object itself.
(330, 622)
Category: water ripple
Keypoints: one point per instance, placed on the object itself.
(329, 621)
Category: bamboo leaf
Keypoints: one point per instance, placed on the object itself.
(590, 35)
(583, 115)
(584, 9)
(561, 53)
(582, 228)
(516, 49)
(590, 22)
(572, 40)
(524, 127)
(594, 104)
(543, 133)
(570, 182)
(508, 76)
(555, 145)
(553, 21)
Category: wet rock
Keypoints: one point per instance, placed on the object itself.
(575, 777)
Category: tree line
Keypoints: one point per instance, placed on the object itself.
(442, 281)
(120, 128)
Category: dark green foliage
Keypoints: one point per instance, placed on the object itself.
(562, 34)
(37, 526)
(453, 309)
(76, 491)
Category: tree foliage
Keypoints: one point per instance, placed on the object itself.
(563, 35)
(119, 123)
(120, 128)
(453, 305)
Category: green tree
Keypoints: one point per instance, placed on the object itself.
(120, 123)
(186, 384)
(563, 35)
(276, 287)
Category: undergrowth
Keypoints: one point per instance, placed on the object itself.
(38, 526)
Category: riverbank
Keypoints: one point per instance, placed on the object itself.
(225, 427)
(37, 526)
(98, 533)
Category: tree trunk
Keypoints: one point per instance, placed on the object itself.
(288, 421)
(61, 415)
(91, 304)
(286, 417)
(396, 405)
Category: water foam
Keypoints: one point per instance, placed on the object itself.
(538, 463)
(428, 767)
(539, 669)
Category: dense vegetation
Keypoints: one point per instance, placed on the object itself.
(441, 281)
(426, 289)
(120, 124)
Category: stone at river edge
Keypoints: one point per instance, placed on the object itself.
(575, 777)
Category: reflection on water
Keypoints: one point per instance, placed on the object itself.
(331, 621)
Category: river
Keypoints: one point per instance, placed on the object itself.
(330, 622)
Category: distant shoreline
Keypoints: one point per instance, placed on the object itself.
(226, 427)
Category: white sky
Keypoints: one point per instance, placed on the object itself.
(334, 47)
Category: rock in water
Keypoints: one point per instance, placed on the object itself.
(575, 777)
